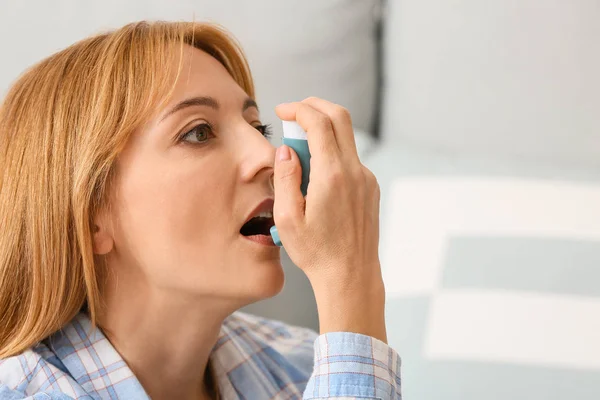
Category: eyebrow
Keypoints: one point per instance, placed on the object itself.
(249, 103)
(206, 102)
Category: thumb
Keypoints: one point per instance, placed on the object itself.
(288, 209)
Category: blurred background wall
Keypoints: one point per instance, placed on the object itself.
(488, 155)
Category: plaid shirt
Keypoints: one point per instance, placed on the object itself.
(254, 359)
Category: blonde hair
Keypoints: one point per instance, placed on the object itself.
(62, 126)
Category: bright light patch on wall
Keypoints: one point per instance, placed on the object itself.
(425, 213)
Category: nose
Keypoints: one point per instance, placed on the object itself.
(257, 156)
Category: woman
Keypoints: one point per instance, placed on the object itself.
(133, 171)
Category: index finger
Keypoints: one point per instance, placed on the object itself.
(341, 122)
(318, 127)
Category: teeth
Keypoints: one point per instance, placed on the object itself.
(266, 214)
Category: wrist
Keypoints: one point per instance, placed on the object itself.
(357, 307)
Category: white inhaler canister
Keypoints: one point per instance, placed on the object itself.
(295, 137)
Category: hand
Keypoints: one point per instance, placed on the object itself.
(333, 233)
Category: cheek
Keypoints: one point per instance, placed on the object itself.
(171, 209)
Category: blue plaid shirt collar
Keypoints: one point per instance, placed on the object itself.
(86, 356)
(80, 362)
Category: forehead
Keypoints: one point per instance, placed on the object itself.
(201, 74)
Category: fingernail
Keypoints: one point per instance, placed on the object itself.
(281, 105)
(283, 153)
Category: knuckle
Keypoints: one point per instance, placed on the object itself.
(369, 175)
(283, 219)
(371, 179)
(341, 113)
(336, 176)
(310, 99)
(357, 171)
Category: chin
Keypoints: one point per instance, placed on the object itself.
(266, 280)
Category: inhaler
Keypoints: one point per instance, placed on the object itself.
(295, 137)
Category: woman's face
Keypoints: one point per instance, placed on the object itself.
(186, 184)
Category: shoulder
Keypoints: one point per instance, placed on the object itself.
(34, 374)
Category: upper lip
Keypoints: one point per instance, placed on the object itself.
(264, 206)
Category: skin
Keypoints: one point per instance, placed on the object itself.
(171, 234)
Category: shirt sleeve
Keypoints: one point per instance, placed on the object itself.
(349, 365)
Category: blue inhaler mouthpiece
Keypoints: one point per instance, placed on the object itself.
(295, 137)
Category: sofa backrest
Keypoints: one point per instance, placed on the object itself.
(296, 49)
(515, 79)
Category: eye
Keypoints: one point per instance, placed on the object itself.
(265, 130)
(199, 134)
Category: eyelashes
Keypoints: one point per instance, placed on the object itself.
(266, 130)
(204, 131)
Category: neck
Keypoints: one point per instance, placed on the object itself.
(165, 337)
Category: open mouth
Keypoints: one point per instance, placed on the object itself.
(259, 225)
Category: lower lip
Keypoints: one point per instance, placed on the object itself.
(261, 239)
